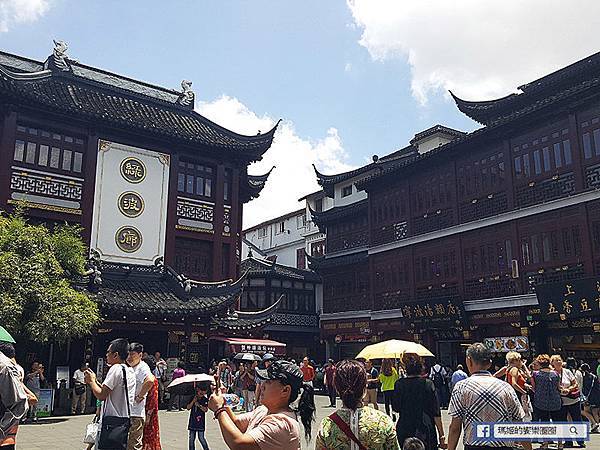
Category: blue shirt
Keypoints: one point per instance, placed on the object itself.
(197, 416)
(457, 376)
(547, 395)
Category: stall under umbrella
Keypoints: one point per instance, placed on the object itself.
(393, 348)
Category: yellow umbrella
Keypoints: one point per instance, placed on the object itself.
(393, 349)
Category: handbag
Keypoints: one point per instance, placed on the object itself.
(79, 388)
(345, 428)
(115, 430)
(91, 432)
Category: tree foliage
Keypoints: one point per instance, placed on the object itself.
(37, 300)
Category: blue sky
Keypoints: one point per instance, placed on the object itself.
(350, 79)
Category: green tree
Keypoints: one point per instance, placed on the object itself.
(37, 299)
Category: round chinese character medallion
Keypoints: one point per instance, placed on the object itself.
(131, 204)
(128, 239)
(133, 170)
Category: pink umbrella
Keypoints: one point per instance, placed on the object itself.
(192, 378)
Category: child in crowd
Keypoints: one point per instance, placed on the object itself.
(197, 423)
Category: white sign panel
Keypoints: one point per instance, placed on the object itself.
(130, 204)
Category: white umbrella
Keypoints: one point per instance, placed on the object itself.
(247, 357)
(192, 378)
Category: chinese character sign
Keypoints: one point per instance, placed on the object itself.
(570, 299)
(448, 311)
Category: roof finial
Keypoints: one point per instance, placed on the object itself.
(187, 96)
(58, 59)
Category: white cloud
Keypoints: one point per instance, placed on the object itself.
(478, 49)
(13, 12)
(292, 155)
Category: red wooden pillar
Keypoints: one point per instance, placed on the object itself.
(509, 174)
(7, 145)
(89, 185)
(171, 211)
(578, 169)
(235, 226)
(219, 211)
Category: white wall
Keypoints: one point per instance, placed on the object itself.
(272, 241)
(356, 196)
(434, 141)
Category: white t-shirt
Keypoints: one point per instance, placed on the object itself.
(78, 376)
(141, 372)
(115, 404)
(565, 381)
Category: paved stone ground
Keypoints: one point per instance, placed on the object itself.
(66, 433)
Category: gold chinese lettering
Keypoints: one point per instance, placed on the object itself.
(407, 312)
(552, 308)
(131, 204)
(567, 307)
(419, 311)
(439, 309)
(584, 305)
(428, 310)
(569, 289)
(128, 239)
(452, 309)
(133, 170)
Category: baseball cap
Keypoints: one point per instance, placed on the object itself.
(283, 371)
(268, 357)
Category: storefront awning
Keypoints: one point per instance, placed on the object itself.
(258, 346)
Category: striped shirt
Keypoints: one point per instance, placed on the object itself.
(484, 398)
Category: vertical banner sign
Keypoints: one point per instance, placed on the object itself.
(130, 204)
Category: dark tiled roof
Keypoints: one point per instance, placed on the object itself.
(323, 262)
(118, 106)
(254, 185)
(253, 266)
(339, 212)
(583, 90)
(159, 292)
(328, 181)
(539, 91)
(436, 129)
(239, 320)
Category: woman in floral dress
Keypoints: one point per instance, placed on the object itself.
(151, 439)
(372, 428)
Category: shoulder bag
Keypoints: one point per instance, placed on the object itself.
(345, 428)
(115, 430)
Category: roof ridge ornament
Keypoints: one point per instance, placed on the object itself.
(58, 59)
(187, 96)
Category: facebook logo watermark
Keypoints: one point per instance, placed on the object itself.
(483, 431)
(532, 431)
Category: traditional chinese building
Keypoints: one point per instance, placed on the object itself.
(487, 235)
(158, 189)
(296, 321)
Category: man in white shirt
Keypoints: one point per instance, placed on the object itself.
(79, 391)
(112, 391)
(144, 381)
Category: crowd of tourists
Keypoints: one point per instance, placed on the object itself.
(278, 400)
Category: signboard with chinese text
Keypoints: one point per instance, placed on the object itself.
(571, 299)
(354, 327)
(434, 312)
(130, 204)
